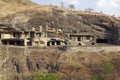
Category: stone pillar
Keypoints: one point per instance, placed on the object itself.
(35, 34)
(29, 36)
(43, 34)
(2, 35)
(40, 28)
(11, 36)
(33, 28)
(45, 44)
(33, 43)
(25, 42)
(76, 38)
(0, 41)
(22, 35)
(91, 38)
(50, 43)
(80, 38)
(61, 43)
(55, 43)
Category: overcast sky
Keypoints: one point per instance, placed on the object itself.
(107, 6)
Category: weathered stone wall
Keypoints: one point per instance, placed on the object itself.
(95, 49)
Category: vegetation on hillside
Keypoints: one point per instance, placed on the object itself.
(18, 1)
(103, 71)
(51, 65)
(45, 76)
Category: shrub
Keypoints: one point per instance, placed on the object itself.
(45, 76)
(103, 71)
(104, 53)
(1, 54)
(97, 77)
(107, 68)
(74, 67)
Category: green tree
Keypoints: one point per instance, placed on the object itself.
(62, 4)
(71, 6)
(89, 10)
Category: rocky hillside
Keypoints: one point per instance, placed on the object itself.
(18, 63)
(33, 15)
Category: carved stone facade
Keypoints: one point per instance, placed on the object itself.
(33, 37)
(82, 39)
(39, 37)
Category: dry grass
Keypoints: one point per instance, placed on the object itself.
(77, 66)
(12, 8)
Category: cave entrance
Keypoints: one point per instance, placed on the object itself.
(102, 41)
(15, 42)
(53, 43)
(58, 42)
(48, 43)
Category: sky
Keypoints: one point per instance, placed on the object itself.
(110, 7)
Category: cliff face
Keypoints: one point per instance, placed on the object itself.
(19, 63)
(27, 16)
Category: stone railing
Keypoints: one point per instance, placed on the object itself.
(94, 49)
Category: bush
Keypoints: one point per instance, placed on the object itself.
(104, 53)
(74, 67)
(45, 76)
(97, 77)
(107, 68)
(103, 72)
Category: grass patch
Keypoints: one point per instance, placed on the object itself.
(74, 67)
(107, 68)
(103, 71)
(97, 77)
(45, 76)
(105, 53)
